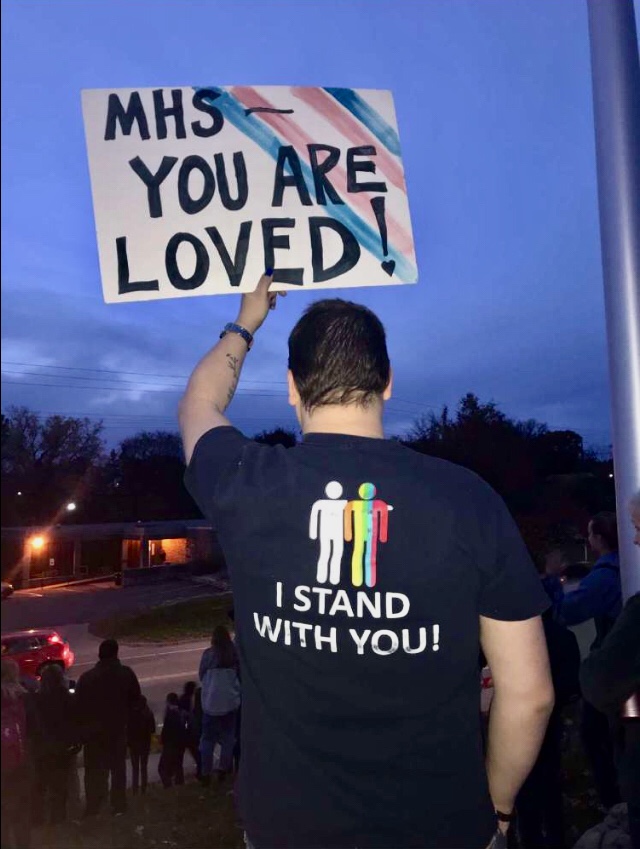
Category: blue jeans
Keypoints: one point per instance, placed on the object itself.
(218, 729)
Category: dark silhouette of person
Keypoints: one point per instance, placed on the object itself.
(187, 703)
(599, 597)
(174, 738)
(106, 695)
(55, 745)
(140, 730)
(609, 677)
(16, 818)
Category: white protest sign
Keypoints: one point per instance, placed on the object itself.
(196, 191)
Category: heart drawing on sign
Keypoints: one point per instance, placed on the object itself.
(388, 265)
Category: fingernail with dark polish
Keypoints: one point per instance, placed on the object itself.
(269, 272)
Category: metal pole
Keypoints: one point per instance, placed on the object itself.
(615, 73)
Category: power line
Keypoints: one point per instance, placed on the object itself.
(154, 390)
(260, 382)
(132, 373)
(129, 387)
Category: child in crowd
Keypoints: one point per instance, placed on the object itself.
(140, 730)
(174, 738)
(187, 704)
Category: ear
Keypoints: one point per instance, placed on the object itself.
(386, 395)
(294, 395)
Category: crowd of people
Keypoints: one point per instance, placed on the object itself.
(361, 620)
(44, 729)
(610, 743)
(45, 725)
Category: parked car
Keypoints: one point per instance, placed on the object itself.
(7, 589)
(35, 649)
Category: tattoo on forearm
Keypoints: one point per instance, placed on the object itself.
(234, 365)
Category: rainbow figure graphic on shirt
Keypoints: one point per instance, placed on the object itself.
(366, 523)
(327, 523)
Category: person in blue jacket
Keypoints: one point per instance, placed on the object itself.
(599, 597)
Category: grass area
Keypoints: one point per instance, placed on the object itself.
(188, 817)
(185, 620)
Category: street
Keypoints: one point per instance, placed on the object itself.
(160, 669)
(83, 603)
(68, 610)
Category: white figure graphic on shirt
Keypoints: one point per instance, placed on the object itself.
(327, 523)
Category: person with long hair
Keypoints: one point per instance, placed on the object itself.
(16, 782)
(56, 744)
(220, 700)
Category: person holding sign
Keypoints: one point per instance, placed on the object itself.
(360, 723)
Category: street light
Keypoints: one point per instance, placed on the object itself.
(37, 543)
(71, 506)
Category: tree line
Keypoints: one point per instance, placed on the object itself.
(550, 481)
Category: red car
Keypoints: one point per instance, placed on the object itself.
(35, 649)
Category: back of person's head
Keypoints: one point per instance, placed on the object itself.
(108, 650)
(52, 680)
(189, 688)
(338, 355)
(10, 679)
(172, 700)
(223, 647)
(604, 525)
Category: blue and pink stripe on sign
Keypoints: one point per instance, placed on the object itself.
(360, 124)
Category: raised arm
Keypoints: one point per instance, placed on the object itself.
(213, 382)
(522, 703)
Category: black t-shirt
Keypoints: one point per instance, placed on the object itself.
(359, 569)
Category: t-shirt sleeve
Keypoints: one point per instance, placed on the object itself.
(510, 587)
(216, 455)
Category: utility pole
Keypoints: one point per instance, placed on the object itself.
(615, 71)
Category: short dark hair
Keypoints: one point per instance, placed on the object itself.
(173, 699)
(605, 525)
(108, 650)
(338, 354)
